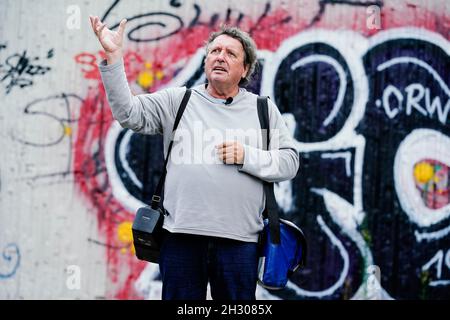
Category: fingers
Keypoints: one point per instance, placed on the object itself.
(98, 26)
(91, 19)
(94, 23)
(227, 154)
(231, 152)
(96, 20)
(228, 158)
(122, 27)
(226, 144)
(225, 150)
(102, 26)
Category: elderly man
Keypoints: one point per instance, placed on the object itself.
(215, 208)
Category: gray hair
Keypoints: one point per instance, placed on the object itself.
(248, 44)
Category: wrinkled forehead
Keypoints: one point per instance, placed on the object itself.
(227, 42)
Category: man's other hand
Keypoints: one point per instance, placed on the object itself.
(231, 152)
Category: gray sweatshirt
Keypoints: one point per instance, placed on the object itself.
(203, 195)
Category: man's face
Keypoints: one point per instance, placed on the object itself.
(224, 63)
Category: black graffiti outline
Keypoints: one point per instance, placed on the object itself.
(129, 34)
(162, 14)
(108, 11)
(62, 121)
(267, 8)
(212, 23)
(18, 71)
(109, 246)
(175, 3)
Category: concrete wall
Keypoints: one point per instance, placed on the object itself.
(364, 87)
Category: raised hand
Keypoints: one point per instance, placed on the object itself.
(111, 41)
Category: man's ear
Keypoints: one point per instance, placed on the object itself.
(245, 71)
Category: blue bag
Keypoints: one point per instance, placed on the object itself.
(278, 262)
(282, 243)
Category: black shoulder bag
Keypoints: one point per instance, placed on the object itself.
(148, 222)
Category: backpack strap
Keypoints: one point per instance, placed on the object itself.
(271, 208)
(156, 198)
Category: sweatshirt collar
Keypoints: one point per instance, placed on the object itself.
(201, 89)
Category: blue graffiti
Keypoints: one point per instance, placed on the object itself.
(11, 260)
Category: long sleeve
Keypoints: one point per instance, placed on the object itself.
(281, 162)
(144, 113)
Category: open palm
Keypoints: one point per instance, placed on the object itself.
(111, 41)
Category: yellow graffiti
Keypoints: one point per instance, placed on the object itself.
(147, 77)
(67, 130)
(125, 235)
(423, 172)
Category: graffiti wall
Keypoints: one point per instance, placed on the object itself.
(363, 86)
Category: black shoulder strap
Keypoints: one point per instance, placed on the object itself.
(157, 195)
(271, 209)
